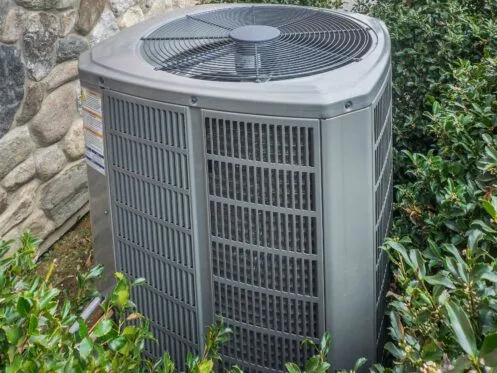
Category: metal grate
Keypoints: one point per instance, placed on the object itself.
(269, 270)
(263, 178)
(257, 43)
(383, 199)
(266, 350)
(151, 206)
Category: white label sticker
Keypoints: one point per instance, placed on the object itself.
(91, 103)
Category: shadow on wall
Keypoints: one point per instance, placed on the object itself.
(43, 184)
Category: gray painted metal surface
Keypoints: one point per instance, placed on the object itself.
(271, 219)
(264, 193)
(117, 64)
(149, 163)
(101, 221)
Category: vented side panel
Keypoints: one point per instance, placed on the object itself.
(151, 206)
(265, 227)
(383, 198)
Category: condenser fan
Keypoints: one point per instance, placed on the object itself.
(257, 43)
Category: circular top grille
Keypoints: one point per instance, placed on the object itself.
(257, 43)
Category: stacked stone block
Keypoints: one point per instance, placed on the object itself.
(43, 185)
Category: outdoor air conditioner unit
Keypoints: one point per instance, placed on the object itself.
(240, 159)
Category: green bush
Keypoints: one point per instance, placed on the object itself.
(428, 38)
(443, 300)
(445, 306)
(34, 326)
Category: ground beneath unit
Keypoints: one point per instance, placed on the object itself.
(73, 253)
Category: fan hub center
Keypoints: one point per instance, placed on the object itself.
(254, 33)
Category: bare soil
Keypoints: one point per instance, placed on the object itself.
(72, 253)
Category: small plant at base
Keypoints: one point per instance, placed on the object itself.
(319, 362)
(216, 335)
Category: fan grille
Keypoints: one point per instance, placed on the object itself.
(309, 42)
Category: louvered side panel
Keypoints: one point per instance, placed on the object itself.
(151, 212)
(383, 198)
(265, 235)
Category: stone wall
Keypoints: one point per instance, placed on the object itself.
(43, 183)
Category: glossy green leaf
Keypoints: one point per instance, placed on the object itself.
(292, 368)
(440, 279)
(490, 207)
(461, 326)
(23, 306)
(431, 352)
(310, 342)
(488, 351)
(49, 296)
(119, 276)
(85, 348)
(462, 271)
(394, 350)
(41, 340)
(490, 276)
(15, 366)
(129, 331)
(13, 333)
(455, 252)
(235, 369)
(167, 363)
(418, 262)
(117, 343)
(399, 248)
(312, 365)
(191, 361)
(139, 282)
(2, 280)
(325, 343)
(33, 324)
(396, 328)
(29, 366)
(122, 298)
(95, 272)
(479, 270)
(474, 237)
(66, 308)
(102, 328)
(461, 365)
(451, 265)
(378, 368)
(205, 366)
(360, 363)
(483, 226)
(83, 328)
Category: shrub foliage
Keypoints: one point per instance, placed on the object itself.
(443, 300)
(35, 328)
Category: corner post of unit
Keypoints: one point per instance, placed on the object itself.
(348, 236)
(200, 225)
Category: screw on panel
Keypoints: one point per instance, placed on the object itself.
(193, 100)
(101, 81)
(348, 105)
